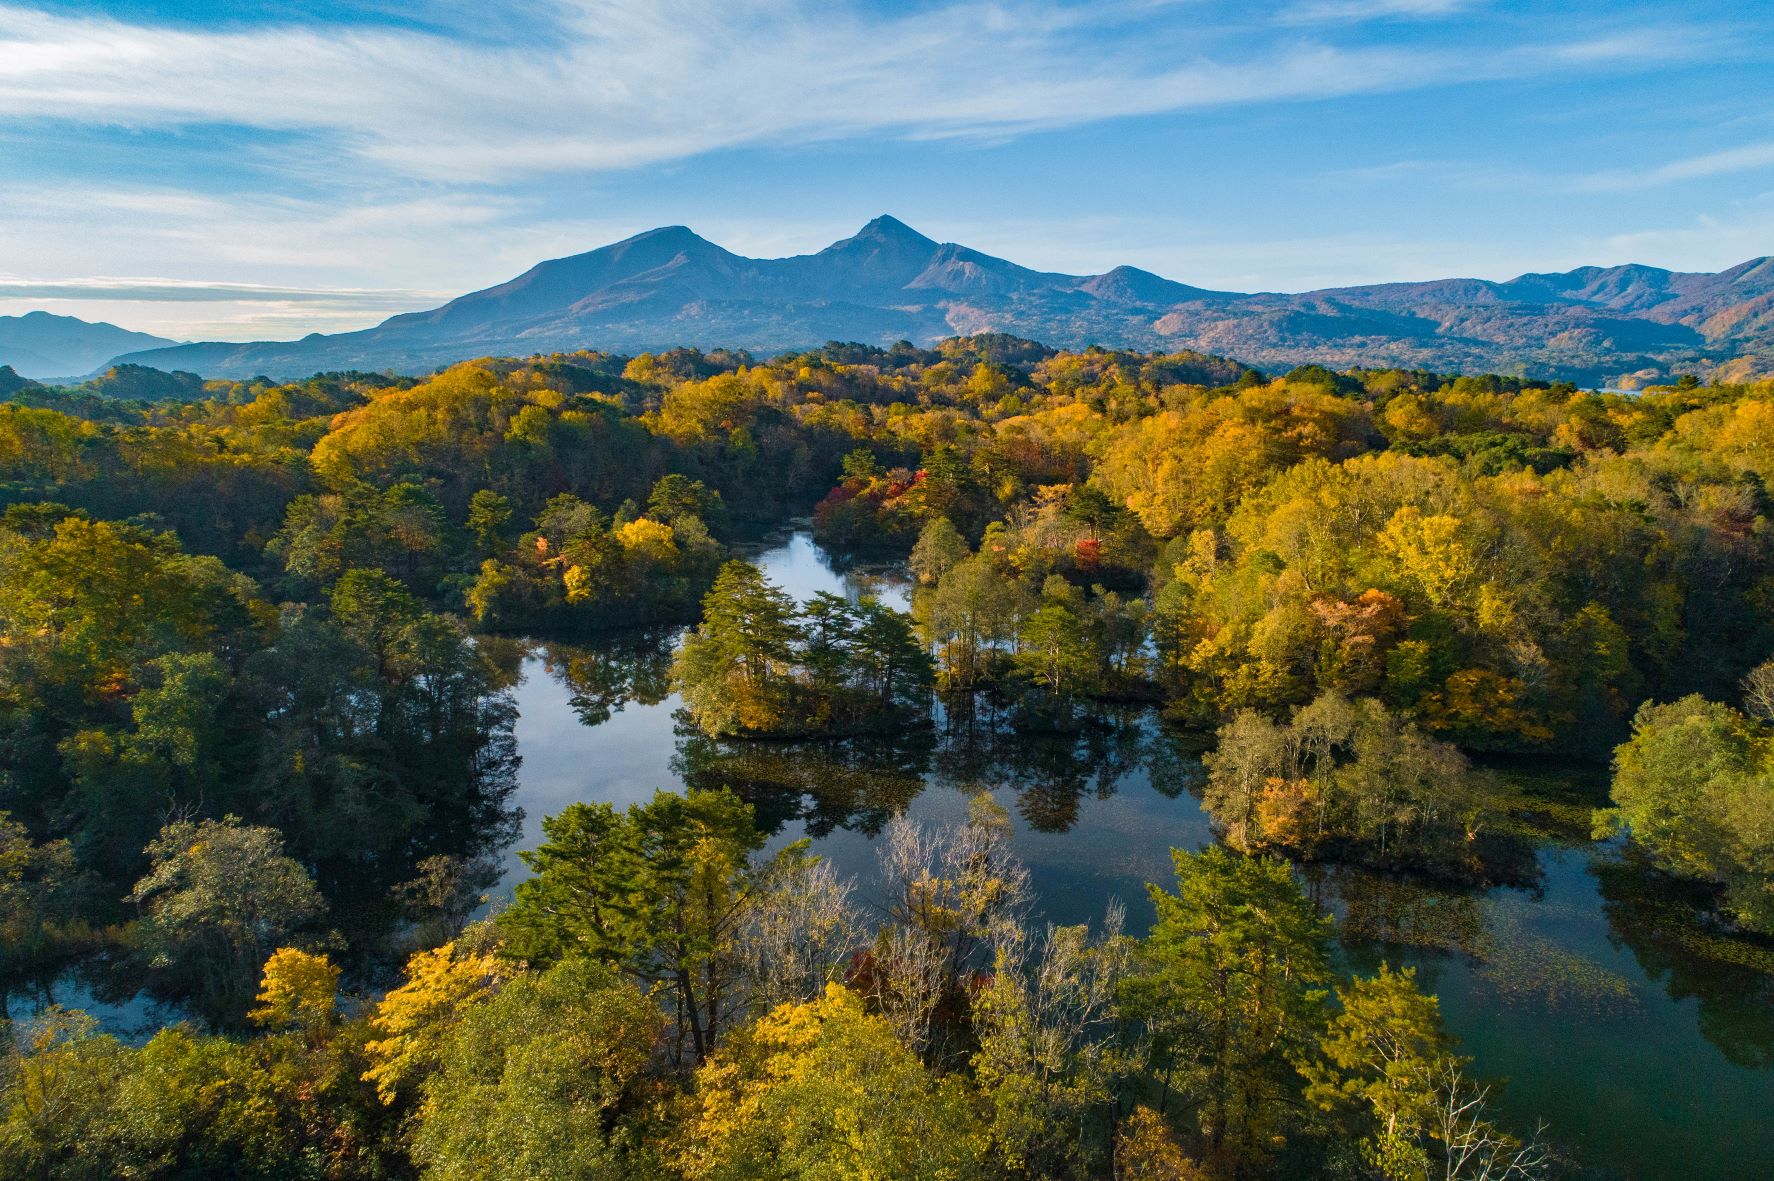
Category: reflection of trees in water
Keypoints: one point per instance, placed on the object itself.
(1493, 931)
(1400, 912)
(634, 666)
(1174, 765)
(474, 768)
(857, 783)
(1051, 773)
(399, 831)
(861, 783)
(436, 782)
(1674, 930)
(504, 658)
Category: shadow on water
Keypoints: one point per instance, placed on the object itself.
(1639, 1035)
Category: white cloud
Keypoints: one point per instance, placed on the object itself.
(1747, 158)
(348, 241)
(627, 84)
(254, 266)
(256, 319)
(153, 290)
(1315, 12)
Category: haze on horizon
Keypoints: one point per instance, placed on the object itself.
(239, 170)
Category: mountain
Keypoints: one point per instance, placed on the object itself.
(38, 344)
(670, 287)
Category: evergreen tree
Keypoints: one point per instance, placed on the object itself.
(655, 892)
(1383, 1061)
(732, 671)
(888, 658)
(1231, 986)
(488, 514)
(829, 632)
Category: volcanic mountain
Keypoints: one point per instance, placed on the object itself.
(670, 287)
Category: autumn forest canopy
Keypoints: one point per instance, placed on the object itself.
(256, 751)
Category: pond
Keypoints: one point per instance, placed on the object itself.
(1642, 1039)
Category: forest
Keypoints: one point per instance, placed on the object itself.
(257, 756)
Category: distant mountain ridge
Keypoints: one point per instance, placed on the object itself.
(38, 344)
(670, 287)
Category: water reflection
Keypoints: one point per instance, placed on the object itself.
(1674, 931)
(1381, 910)
(857, 784)
(1051, 774)
(103, 987)
(602, 680)
(860, 784)
(1096, 813)
(802, 569)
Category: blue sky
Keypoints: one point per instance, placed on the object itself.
(264, 168)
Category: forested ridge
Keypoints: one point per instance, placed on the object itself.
(252, 753)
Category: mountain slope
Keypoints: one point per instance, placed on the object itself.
(671, 287)
(38, 344)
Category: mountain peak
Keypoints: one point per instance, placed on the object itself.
(888, 228)
(664, 234)
(882, 257)
(1132, 285)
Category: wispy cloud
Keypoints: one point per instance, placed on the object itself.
(250, 266)
(195, 291)
(282, 171)
(1319, 12)
(628, 84)
(1747, 158)
(102, 228)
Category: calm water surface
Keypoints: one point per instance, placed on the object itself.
(1645, 1043)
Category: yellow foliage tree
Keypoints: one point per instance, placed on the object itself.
(1289, 814)
(1428, 550)
(415, 1017)
(653, 538)
(1145, 1150)
(577, 580)
(826, 1090)
(299, 988)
